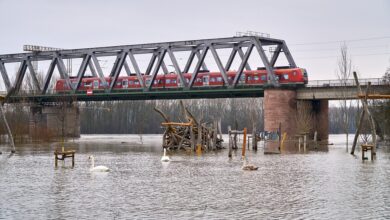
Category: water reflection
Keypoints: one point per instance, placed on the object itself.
(319, 184)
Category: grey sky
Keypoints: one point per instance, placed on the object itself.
(90, 23)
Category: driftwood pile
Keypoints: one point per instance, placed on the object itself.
(191, 134)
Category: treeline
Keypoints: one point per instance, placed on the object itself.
(379, 109)
(139, 117)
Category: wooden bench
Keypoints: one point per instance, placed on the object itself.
(61, 155)
(365, 148)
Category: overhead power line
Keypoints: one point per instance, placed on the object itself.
(353, 55)
(340, 41)
(338, 49)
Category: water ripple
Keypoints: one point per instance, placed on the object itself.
(317, 185)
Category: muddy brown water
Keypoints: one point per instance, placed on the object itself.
(323, 184)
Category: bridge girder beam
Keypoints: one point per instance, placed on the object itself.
(198, 49)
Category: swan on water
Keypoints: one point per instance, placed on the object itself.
(165, 158)
(247, 166)
(97, 168)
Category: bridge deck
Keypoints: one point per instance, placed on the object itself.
(315, 90)
(210, 92)
(337, 90)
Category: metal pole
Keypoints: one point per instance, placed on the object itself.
(8, 129)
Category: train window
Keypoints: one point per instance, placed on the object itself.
(263, 78)
(285, 76)
(148, 81)
(86, 84)
(131, 82)
(304, 73)
(212, 79)
(174, 81)
(198, 80)
(124, 83)
(118, 83)
(249, 78)
(219, 79)
(167, 81)
(136, 82)
(256, 78)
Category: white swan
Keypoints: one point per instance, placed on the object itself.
(165, 158)
(97, 168)
(247, 166)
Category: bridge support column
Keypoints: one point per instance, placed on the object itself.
(280, 107)
(295, 117)
(54, 121)
(321, 118)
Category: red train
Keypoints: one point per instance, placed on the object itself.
(206, 79)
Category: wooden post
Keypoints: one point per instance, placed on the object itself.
(192, 137)
(244, 144)
(315, 139)
(357, 132)
(199, 141)
(55, 160)
(11, 138)
(370, 118)
(230, 142)
(220, 129)
(254, 140)
(359, 127)
(215, 133)
(72, 160)
(248, 141)
(280, 134)
(304, 143)
(283, 139)
(299, 143)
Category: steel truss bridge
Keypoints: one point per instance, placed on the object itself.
(243, 46)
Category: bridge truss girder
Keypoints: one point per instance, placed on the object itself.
(197, 48)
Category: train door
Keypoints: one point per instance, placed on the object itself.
(96, 84)
(125, 83)
(242, 79)
(206, 80)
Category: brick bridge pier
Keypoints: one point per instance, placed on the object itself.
(295, 116)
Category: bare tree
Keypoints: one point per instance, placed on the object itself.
(344, 73)
(304, 118)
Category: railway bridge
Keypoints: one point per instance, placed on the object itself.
(280, 99)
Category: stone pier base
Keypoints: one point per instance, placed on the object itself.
(54, 121)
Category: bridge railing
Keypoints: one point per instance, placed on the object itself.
(348, 82)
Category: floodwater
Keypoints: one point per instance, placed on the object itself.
(328, 184)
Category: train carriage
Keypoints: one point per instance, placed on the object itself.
(172, 80)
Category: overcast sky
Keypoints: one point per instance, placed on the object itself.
(312, 29)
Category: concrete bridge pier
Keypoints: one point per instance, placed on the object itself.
(54, 121)
(295, 116)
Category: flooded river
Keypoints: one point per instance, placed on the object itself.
(328, 184)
